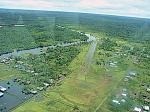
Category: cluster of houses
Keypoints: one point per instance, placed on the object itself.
(6, 60)
(109, 63)
(20, 65)
(141, 109)
(35, 90)
(2, 90)
(112, 63)
(130, 76)
(119, 54)
(122, 97)
(13, 25)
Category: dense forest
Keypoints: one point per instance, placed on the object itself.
(36, 32)
(124, 27)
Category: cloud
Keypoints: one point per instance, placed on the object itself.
(138, 8)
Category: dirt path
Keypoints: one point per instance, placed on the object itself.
(88, 59)
(83, 70)
(90, 54)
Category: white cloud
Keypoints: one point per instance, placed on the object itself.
(138, 8)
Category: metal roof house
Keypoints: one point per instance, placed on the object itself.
(136, 109)
(1, 94)
(2, 89)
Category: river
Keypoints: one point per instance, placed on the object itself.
(38, 49)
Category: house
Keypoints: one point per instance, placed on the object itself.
(46, 84)
(123, 94)
(126, 80)
(1, 94)
(123, 100)
(148, 89)
(147, 108)
(35, 74)
(136, 109)
(115, 101)
(33, 92)
(19, 25)
(112, 63)
(132, 74)
(40, 88)
(2, 89)
(32, 71)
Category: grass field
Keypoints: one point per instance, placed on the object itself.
(7, 72)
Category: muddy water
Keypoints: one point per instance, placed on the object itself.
(13, 96)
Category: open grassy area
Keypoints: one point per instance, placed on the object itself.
(7, 72)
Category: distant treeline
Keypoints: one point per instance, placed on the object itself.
(41, 30)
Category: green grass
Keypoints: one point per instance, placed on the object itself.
(7, 72)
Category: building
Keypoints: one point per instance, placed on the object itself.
(136, 109)
(2, 89)
(21, 25)
(147, 108)
(1, 94)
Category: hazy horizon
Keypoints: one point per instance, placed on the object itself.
(129, 8)
(75, 12)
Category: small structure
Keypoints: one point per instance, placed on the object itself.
(32, 71)
(123, 100)
(148, 89)
(51, 81)
(116, 101)
(124, 94)
(35, 74)
(126, 79)
(146, 108)
(28, 82)
(132, 74)
(46, 84)
(33, 92)
(136, 109)
(128, 76)
(2, 89)
(19, 25)
(1, 94)
(112, 64)
(40, 88)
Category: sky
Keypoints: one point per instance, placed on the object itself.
(133, 8)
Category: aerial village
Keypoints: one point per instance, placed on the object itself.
(127, 96)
